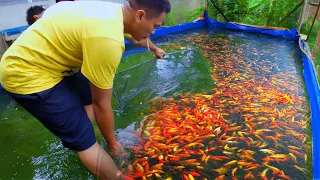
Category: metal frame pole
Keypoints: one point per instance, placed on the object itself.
(314, 20)
(207, 5)
(219, 10)
(290, 13)
(304, 11)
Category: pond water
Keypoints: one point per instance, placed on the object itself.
(222, 104)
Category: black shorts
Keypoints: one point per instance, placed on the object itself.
(61, 110)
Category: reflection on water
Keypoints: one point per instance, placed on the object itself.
(248, 82)
(181, 71)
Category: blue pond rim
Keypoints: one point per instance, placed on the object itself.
(308, 67)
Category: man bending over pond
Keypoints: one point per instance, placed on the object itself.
(41, 70)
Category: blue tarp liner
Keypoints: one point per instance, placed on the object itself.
(308, 71)
(14, 31)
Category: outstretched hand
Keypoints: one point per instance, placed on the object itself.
(159, 53)
(117, 149)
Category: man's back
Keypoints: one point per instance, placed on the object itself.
(53, 46)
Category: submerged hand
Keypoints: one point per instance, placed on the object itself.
(159, 53)
(117, 149)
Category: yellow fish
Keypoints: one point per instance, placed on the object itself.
(230, 163)
(300, 169)
(269, 151)
(222, 170)
(282, 156)
(272, 167)
(293, 157)
(264, 144)
(190, 177)
(294, 147)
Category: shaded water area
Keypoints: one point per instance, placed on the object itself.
(222, 104)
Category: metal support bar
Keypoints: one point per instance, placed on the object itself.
(316, 46)
(303, 15)
(207, 5)
(314, 20)
(314, 4)
(219, 10)
(290, 13)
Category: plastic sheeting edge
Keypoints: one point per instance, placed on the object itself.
(314, 96)
(288, 34)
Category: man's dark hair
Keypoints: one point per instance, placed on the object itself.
(154, 8)
(33, 10)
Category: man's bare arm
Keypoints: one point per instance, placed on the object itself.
(101, 101)
(158, 52)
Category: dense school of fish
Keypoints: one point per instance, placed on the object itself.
(252, 125)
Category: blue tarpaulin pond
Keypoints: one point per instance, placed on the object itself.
(229, 101)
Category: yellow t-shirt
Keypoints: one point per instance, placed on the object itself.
(71, 36)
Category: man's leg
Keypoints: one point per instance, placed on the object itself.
(98, 161)
(79, 84)
(90, 113)
(61, 111)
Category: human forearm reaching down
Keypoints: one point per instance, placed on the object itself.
(147, 43)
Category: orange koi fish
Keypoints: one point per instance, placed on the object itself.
(235, 128)
(136, 175)
(155, 172)
(183, 155)
(249, 157)
(195, 174)
(249, 175)
(210, 149)
(296, 153)
(157, 166)
(127, 177)
(139, 160)
(280, 173)
(184, 177)
(234, 171)
(263, 174)
(221, 177)
(193, 152)
(177, 167)
(203, 157)
(139, 168)
(147, 145)
(172, 139)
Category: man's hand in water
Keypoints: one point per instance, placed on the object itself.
(146, 43)
(117, 149)
(159, 53)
